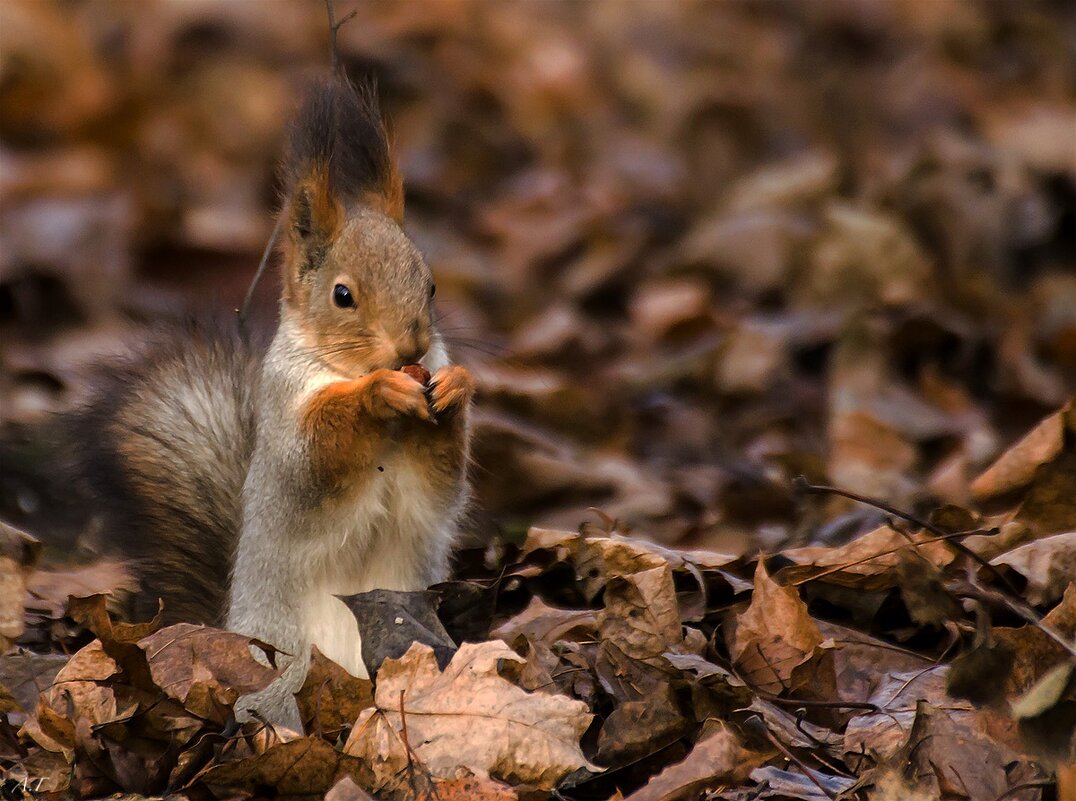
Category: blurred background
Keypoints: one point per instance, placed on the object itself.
(690, 249)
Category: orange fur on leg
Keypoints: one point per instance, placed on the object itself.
(342, 422)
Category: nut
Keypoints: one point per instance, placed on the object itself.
(417, 372)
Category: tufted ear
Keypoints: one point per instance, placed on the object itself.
(338, 154)
(313, 215)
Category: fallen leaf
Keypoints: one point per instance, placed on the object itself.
(641, 614)
(471, 717)
(717, 758)
(347, 790)
(773, 635)
(1016, 466)
(301, 769)
(331, 698)
(205, 669)
(1048, 564)
(18, 555)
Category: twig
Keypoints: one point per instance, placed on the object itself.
(801, 484)
(244, 310)
(755, 723)
(774, 699)
(334, 28)
(1025, 786)
(1011, 602)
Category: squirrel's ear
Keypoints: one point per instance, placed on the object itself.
(312, 211)
(312, 217)
(338, 151)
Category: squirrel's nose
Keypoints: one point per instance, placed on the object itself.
(411, 348)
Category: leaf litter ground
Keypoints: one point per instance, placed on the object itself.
(691, 251)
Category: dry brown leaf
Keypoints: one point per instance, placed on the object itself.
(347, 790)
(865, 563)
(27, 675)
(540, 622)
(298, 769)
(18, 554)
(718, 758)
(1048, 565)
(79, 688)
(470, 716)
(641, 614)
(205, 669)
(331, 698)
(394, 773)
(882, 733)
(472, 788)
(1016, 466)
(955, 759)
(774, 635)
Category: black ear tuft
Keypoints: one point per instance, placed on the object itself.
(339, 135)
(302, 213)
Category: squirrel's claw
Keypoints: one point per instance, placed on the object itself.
(395, 394)
(451, 389)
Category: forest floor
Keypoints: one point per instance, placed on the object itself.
(719, 268)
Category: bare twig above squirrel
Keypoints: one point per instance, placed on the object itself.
(253, 487)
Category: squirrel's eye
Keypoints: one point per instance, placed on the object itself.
(342, 297)
(433, 290)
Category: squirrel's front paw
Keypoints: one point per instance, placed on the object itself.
(451, 389)
(391, 393)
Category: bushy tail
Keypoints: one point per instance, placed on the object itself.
(162, 453)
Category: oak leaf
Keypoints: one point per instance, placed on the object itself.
(469, 716)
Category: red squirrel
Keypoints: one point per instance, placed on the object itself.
(253, 487)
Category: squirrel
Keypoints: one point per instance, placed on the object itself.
(251, 486)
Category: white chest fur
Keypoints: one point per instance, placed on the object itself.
(387, 538)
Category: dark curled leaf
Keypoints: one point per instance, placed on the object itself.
(390, 621)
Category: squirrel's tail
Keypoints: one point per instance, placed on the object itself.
(162, 454)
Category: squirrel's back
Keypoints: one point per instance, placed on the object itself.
(163, 451)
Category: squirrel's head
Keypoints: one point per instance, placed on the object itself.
(356, 286)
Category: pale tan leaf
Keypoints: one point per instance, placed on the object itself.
(469, 716)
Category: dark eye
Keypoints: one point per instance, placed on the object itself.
(342, 297)
(433, 290)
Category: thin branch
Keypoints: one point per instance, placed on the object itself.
(244, 310)
(1011, 601)
(337, 67)
(334, 29)
(755, 724)
(801, 484)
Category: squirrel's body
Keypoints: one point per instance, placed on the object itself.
(250, 487)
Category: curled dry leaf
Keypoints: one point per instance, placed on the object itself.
(641, 613)
(470, 716)
(18, 554)
(1016, 467)
(1048, 565)
(331, 698)
(774, 635)
(718, 758)
(540, 622)
(204, 669)
(303, 768)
